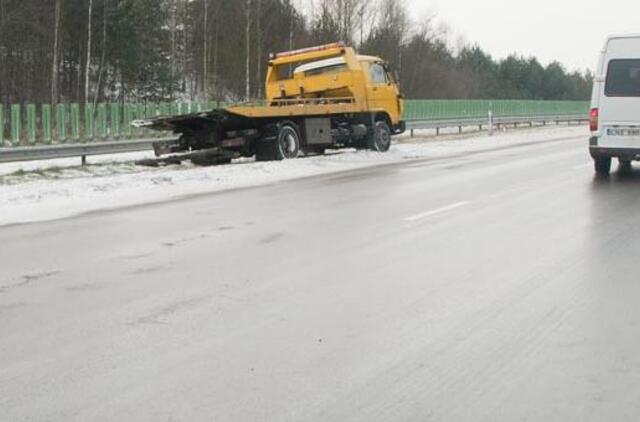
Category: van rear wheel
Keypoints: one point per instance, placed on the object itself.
(625, 166)
(602, 165)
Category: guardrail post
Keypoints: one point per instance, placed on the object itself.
(45, 121)
(16, 124)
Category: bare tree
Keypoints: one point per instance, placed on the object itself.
(173, 13)
(87, 69)
(205, 51)
(258, 48)
(216, 45)
(103, 57)
(248, 50)
(56, 49)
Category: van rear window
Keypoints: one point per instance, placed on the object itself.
(623, 78)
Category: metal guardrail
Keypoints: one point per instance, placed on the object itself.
(490, 122)
(47, 152)
(83, 150)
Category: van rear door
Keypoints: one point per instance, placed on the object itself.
(620, 97)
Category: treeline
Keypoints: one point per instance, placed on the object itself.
(163, 50)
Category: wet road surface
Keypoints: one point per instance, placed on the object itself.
(494, 286)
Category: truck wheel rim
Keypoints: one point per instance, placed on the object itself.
(290, 143)
(384, 138)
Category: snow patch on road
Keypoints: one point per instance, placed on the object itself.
(54, 189)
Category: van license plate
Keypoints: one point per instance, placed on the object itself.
(624, 132)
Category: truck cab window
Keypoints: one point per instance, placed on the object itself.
(378, 74)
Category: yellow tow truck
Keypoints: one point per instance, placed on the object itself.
(317, 98)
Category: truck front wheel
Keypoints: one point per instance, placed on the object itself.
(380, 139)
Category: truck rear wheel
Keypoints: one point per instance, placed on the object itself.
(286, 144)
(602, 165)
(380, 139)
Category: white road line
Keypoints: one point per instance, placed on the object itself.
(582, 166)
(431, 213)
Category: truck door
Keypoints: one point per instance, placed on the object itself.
(383, 93)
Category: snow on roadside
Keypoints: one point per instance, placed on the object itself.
(61, 188)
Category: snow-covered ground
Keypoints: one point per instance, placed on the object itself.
(37, 191)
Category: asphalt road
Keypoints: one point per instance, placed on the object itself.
(496, 286)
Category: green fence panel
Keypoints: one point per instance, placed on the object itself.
(140, 113)
(45, 121)
(74, 110)
(152, 110)
(164, 109)
(455, 109)
(16, 124)
(61, 123)
(101, 121)
(128, 117)
(115, 118)
(31, 123)
(89, 122)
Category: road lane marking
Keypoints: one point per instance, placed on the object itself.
(437, 211)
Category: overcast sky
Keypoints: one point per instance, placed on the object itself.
(569, 31)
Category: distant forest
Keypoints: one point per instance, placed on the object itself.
(162, 50)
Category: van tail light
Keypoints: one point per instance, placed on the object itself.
(593, 119)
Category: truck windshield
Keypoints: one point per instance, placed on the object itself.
(623, 78)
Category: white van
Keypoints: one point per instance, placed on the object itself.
(615, 105)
